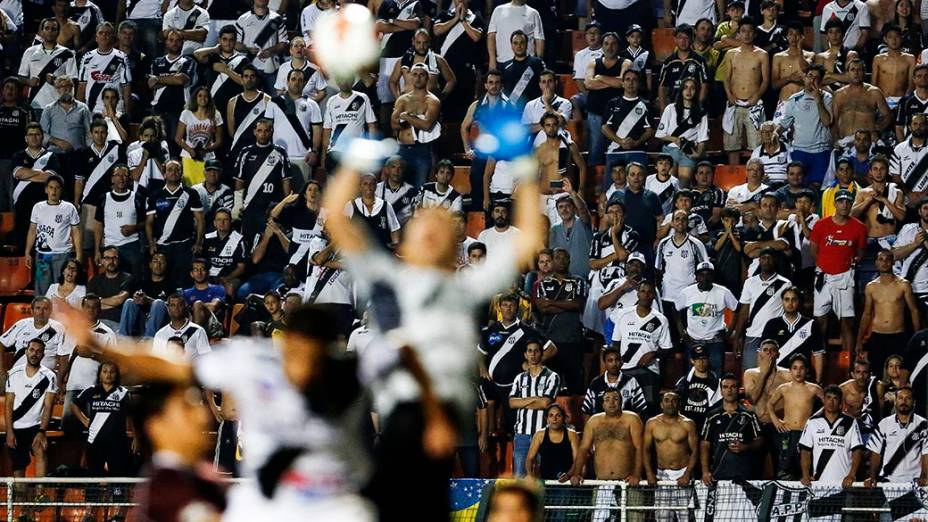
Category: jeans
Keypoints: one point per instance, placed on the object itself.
(148, 34)
(260, 284)
(476, 184)
(418, 157)
(131, 259)
(47, 269)
(134, 322)
(816, 164)
(749, 352)
(520, 445)
(595, 139)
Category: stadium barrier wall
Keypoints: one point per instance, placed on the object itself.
(767, 501)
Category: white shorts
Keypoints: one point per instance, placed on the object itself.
(247, 504)
(672, 496)
(834, 293)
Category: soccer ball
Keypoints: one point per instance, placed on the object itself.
(345, 42)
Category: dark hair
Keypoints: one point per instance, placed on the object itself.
(696, 112)
(445, 163)
(90, 297)
(228, 29)
(834, 23)
(612, 34)
(249, 67)
(771, 341)
(610, 350)
(315, 321)
(272, 293)
(493, 72)
(806, 193)
(881, 158)
(746, 20)
(107, 248)
(731, 212)
(798, 357)
(548, 116)
(518, 32)
(509, 298)
(295, 71)
(554, 405)
(729, 376)
(890, 27)
(97, 123)
(686, 29)
(795, 290)
(177, 295)
(861, 362)
(477, 245)
(200, 260)
(33, 125)
(55, 177)
(919, 67)
(548, 72)
(834, 389)
(530, 498)
(118, 380)
(80, 278)
(150, 403)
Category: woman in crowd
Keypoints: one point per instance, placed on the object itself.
(301, 214)
(685, 127)
(199, 134)
(70, 287)
(553, 448)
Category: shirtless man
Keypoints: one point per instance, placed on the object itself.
(435, 64)
(414, 119)
(882, 204)
(859, 105)
(759, 384)
(555, 155)
(790, 66)
(746, 82)
(893, 70)
(69, 32)
(615, 438)
(836, 58)
(861, 399)
(882, 324)
(798, 398)
(676, 445)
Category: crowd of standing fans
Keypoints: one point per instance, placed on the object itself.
(165, 161)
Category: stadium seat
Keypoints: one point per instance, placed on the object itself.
(233, 325)
(663, 41)
(476, 223)
(577, 40)
(577, 132)
(14, 276)
(568, 85)
(461, 179)
(727, 176)
(7, 223)
(14, 312)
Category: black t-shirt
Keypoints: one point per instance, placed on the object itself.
(504, 349)
(106, 287)
(720, 429)
(398, 42)
(156, 289)
(95, 401)
(13, 122)
(172, 97)
(513, 71)
(163, 204)
(706, 201)
(697, 396)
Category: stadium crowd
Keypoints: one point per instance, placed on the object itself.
(165, 163)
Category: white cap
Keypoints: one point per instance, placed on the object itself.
(705, 265)
(636, 256)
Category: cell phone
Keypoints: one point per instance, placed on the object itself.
(557, 183)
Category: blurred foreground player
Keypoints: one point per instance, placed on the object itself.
(300, 415)
(423, 303)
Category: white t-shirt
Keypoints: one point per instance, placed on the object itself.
(705, 311)
(37, 60)
(200, 131)
(835, 442)
(668, 125)
(692, 10)
(764, 299)
(347, 118)
(496, 241)
(638, 336)
(910, 442)
(73, 299)
(507, 19)
(308, 18)
(195, 18)
(23, 387)
(24, 330)
(582, 60)
(53, 227)
(83, 373)
(196, 342)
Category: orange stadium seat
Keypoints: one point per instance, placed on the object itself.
(7, 223)
(461, 179)
(233, 325)
(476, 223)
(662, 39)
(568, 85)
(577, 131)
(727, 176)
(577, 41)
(14, 275)
(14, 312)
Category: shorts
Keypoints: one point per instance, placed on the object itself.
(680, 158)
(21, 455)
(671, 497)
(743, 128)
(834, 293)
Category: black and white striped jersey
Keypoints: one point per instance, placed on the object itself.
(17, 338)
(627, 386)
(173, 212)
(801, 335)
(196, 342)
(910, 163)
(99, 70)
(29, 394)
(545, 384)
(347, 117)
(901, 447)
(678, 263)
(831, 444)
(763, 298)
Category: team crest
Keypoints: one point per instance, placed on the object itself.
(255, 111)
(569, 287)
(840, 431)
(649, 328)
(803, 334)
(771, 291)
(779, 502)
(638, 110)
(36, 394)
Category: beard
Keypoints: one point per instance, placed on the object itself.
(501, 222)
(67, 97)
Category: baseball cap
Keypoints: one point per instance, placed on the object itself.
(213, 164)
(636, 256)
(632, 29)
(593, 24)
(844, 194)
(616, 199)
(705, 265)
(735, 3)
(699, 352)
